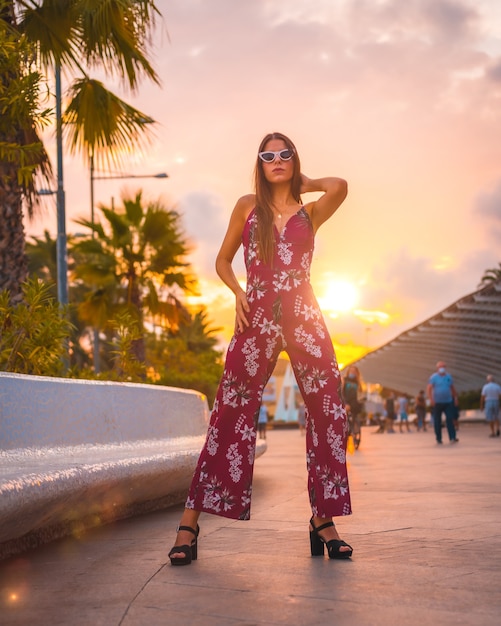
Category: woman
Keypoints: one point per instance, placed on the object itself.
(278, 311)
(420, 407)
(352, 387)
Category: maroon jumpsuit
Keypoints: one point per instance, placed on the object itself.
(284, 315)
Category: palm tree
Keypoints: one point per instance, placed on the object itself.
(187, 356)
(196, 333)
(22, 155)
(42, 264)
(76, 36)
(42, 260)
(136, 262)
(491, 276)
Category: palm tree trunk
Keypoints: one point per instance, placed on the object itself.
(135, 301)
(17, 135)
(13, 260)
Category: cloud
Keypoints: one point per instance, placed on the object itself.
(415, 287)
(493, 72)
(489, 203)
(205, 219)
(488, 208)
(451, 19)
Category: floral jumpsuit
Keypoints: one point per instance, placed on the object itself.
(284, 315)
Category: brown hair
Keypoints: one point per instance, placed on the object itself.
(264, 212)
(356, 371)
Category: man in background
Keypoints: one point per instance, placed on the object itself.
(489, 400)
(443, 399)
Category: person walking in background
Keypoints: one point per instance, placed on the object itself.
(389, 407)
(262, 421)
(420, 407)
(352, 389)
(403, 412)
(442, 396)
(380, 420)
(277, 311)
(489, 401)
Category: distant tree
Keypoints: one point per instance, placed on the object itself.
(136, 262)
(125, 363)
(42, 263)
(196, 333)
(33, 333)
(469, 399)
(42, 259)
(491, 276)
(187, 357)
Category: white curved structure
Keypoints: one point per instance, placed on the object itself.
(76, 453)
(466, 335)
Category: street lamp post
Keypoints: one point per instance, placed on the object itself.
(61, 247)
(61, 244)
(93, 178)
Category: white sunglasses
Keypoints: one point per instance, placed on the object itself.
(269, 156)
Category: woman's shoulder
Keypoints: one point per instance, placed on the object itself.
(244, 206)
(247, 202)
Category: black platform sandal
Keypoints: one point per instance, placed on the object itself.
(189, 552)
(333, 546)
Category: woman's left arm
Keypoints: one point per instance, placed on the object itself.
(335, 191)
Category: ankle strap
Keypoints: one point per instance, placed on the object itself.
(188, 528)
(326, 525)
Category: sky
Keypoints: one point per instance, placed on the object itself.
(402, 99)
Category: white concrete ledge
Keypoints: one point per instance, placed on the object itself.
(39, 411)
(74, 454)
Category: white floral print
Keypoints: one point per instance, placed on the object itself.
(251, 356)
(235, 460)
(212, 444)
(332, 408)
(308, 341)
(270, 347)
(256, 289)
(285, 252)
(337, 444)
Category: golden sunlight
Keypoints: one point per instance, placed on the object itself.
(339, 296)
(373, 317)
(213, 294)
(444, 263)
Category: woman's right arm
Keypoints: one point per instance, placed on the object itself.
(231, 243)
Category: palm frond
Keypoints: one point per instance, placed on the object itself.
(101, 124)
(120, 227)
(491, 275)
(134, 209)
(52, 24)
(95, 227)
(117, 34)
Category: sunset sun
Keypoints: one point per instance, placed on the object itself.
(339, 296)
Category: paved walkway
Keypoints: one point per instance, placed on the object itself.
(426, 534)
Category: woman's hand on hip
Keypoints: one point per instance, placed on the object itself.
(242, 308)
